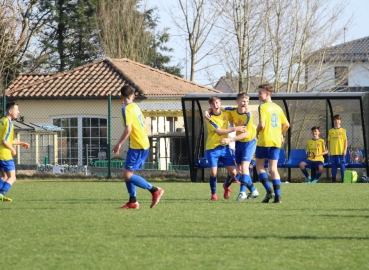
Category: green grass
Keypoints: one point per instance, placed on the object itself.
(76, 225)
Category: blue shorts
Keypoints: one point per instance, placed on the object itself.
(338, 159)
(253, 162)
(245, 151)
(221, 153)
(267, 152)
(136, 158)
(313, 164)
(7, 165)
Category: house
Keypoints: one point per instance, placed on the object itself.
(229, 84)
(77, 101)
(342, 67)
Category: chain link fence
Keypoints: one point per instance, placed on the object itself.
(71, 136)
(76, 137)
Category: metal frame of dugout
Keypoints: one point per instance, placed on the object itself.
(195, 126)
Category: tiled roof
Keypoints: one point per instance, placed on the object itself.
(99, 79)
(229, 84)
(355, 50)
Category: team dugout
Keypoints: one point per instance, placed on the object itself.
(303, 110)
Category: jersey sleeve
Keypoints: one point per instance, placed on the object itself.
(7, 129)
(127, 115)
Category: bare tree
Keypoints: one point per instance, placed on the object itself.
(241, 26)
(196, 25)
(17, 28)
(274, 40)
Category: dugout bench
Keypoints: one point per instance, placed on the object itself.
(303, 110)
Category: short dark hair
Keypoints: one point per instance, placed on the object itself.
(212, 99)
(127, 90)
(266, 86)
(314, 128)
(10, 105)
(242, 95)
(337, 116)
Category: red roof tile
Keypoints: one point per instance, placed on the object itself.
(101, 78)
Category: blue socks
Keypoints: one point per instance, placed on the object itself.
(263, 177)
(5, 187)
(139, 181)
(213, 184)
(243, 183)
(131, 188)
(305, 172)
(277, 186)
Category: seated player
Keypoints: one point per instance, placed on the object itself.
(316, 150)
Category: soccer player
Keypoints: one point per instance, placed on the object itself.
(7, 151)
(316, 150)
(245, 144)
(337, 147)
(217, 126)
(272, 125)
(134, 128)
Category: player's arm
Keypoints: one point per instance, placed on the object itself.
(236, 138)
(127, 131)
(259, 128)
(207, 114)
(23, 144)
(10, 147)
(285, 127)
(221, 132)
(345, 148)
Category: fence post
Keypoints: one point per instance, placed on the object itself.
(109, 137)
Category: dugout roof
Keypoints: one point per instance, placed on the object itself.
(303, 110)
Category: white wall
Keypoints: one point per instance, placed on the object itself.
(323, 77)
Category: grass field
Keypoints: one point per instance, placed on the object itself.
(77, 225)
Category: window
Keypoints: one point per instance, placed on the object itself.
(81, 136)
(341, 76)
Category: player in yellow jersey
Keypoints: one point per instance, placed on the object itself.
(7, 151)
(272, 125)
(217, 126)
(138, 150)
(337, 147)
(245, 144)
(316, 150)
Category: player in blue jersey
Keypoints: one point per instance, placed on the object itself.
(217, 126)
(245, 144)
(138, 150)
(272, 125)
(7, 151)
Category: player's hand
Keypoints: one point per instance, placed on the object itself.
(25, 145)
(13, 152)
(225, 141)
(116, 149)
(206, 114)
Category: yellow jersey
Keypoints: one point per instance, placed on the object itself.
(317, 147)
(7, 134)
(336, 139)
(273, 117)
(242, 119)
(219, 121)
(132, 116)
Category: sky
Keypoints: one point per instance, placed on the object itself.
(358, 29)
